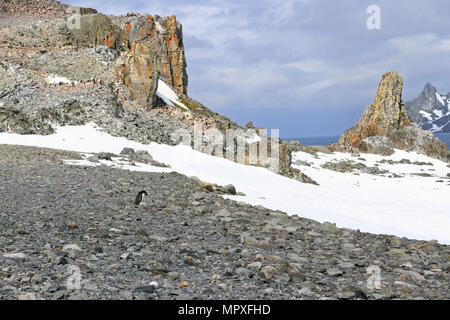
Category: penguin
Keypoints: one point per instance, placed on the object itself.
(140, 198)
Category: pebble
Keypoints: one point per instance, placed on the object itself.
(27, 296)
(73, 247)
(334, 272)
(16, 256)
(255, 266)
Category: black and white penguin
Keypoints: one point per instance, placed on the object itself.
(140, 198)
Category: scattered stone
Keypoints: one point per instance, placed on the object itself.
(127, 152)
(183, 284)
(243, 272)
(27, 296)
(257, 254)
(61, 261)
(230, 189)
(125, 256)
(334, 272)
(16, 256)
(73, 247)
(268, 272)
(255, 266)
(61, 294)
(329, 227)
(143, 155)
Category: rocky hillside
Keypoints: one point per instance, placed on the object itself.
(187, 242)
(109, 70)
(385, 125)
(38, 9)
(430, 110)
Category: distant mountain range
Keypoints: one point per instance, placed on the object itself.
(431, 110)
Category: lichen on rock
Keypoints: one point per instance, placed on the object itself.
(152, 49)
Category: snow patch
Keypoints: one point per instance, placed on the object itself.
(440, 99)
(168, 95)
(426, 115)
(438, 113)
(55, 79)
(159, 27)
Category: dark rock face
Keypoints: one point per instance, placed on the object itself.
(430, 110)
(387, 117)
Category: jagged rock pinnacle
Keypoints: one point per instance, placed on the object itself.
(387, 117)
(385, 114)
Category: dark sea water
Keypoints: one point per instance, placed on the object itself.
(323, 141)
(316, 141)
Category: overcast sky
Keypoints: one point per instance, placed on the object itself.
(307, 67)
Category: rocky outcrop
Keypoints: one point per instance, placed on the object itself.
(148, 48)
(386, 114)
(387, 117)
(430, 110)
(154, 50)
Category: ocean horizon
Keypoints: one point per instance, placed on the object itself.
(326, 140)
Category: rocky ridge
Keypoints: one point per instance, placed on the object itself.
(38, 8)
(106, 72)
(385, 125)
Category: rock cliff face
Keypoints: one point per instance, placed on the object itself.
(387, 118)
(153, 50)
(148, 47)
(430, 110)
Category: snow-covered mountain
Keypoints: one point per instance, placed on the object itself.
(431, 110)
